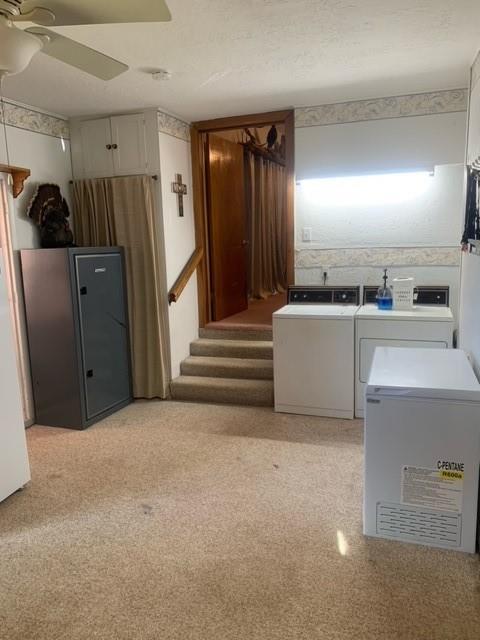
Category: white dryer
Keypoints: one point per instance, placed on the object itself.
(313, 352)
(426, 327)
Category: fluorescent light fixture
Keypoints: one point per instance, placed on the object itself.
(367, 190)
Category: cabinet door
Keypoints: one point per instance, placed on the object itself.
(103, 331)
(96, 138)
(129, 145)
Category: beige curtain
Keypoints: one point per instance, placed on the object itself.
(267, 224)
(121, 212)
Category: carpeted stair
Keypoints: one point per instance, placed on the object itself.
(228, 367)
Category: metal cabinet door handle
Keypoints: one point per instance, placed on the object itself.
(114, 146)
(109, 146)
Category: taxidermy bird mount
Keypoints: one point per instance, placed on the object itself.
(17, 46)
(49, 210)
(272, 137)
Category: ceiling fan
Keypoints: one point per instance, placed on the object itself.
(17, 46)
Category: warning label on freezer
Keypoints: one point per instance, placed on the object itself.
(439, 489)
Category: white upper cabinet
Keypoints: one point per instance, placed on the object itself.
(107, 147)
(96, 148)
(129, 145)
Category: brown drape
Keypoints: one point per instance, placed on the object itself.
(267, 225)
(121, 212)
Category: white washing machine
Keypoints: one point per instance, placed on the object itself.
(422, 448)
(313, 352)
(427, 327)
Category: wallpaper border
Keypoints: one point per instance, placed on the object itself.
(378, 257)
(418, 104)
(173, 126)
(30, 119)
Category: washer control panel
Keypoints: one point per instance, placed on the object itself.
(299, 294)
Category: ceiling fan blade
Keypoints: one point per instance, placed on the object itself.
(102, 11)
(78, 55)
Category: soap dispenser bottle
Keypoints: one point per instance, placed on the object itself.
(384, 294)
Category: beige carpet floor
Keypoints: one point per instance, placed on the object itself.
(183, 521)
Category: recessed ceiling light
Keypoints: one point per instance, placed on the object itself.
(161, 75)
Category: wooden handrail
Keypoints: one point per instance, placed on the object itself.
(187, 272)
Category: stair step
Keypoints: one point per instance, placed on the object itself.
(258, 393)
(227, 367)
(261, 349)
(235, 333)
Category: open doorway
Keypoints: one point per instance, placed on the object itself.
(243, 198)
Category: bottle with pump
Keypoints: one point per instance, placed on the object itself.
(384, 294)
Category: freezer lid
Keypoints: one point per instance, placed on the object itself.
(427, 373)
(426, 313)
(316, 311)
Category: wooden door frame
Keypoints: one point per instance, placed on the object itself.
(198, 135)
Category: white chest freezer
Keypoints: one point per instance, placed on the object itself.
(313, 359)
(426, 327)
(14, 468)
(422, 448)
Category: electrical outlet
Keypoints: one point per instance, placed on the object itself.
(306, 234)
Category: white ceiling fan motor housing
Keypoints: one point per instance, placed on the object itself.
(17, 47)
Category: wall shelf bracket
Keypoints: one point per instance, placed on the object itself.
(19, 175)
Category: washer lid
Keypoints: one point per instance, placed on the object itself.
(424, 312)
(317, 311)
(423, 373)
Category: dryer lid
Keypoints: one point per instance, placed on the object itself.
(317, 311)
(425, 313)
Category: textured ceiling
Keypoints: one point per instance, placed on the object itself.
(231, 57)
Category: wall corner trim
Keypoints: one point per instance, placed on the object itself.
(475, 70)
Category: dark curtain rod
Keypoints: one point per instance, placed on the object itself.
(263, 153)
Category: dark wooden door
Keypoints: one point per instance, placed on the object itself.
(227, 226)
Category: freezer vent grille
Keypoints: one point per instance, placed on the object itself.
(416, 524)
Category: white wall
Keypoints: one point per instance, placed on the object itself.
(380, 145)
(432, 216)
(473, 145)
(418, 235)
(469, 331)
(48, 159)
(179, 236)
